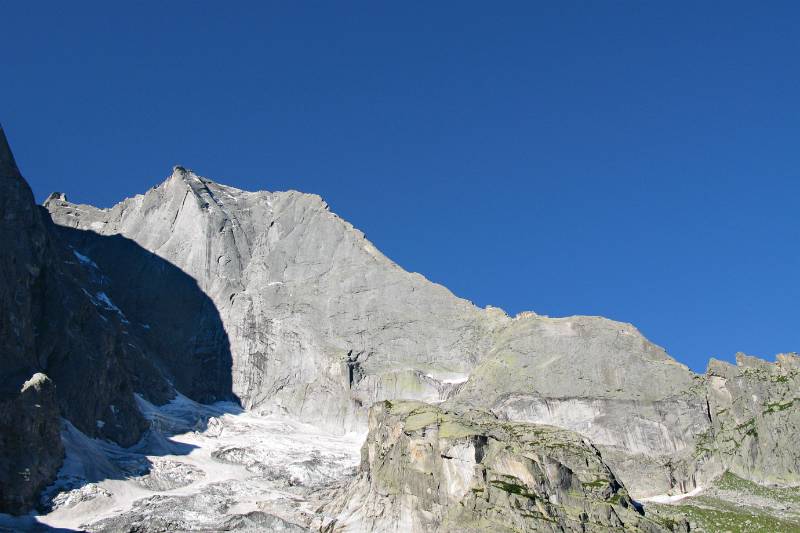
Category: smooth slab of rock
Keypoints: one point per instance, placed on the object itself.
(755, 406)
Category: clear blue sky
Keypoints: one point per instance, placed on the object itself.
(637, 160)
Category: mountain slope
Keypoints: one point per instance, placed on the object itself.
(321, 325)
(271, 300)
(428, 469)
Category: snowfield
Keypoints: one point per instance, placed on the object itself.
(200, 467)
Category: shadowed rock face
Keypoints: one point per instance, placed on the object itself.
(59, 323)
(427, 469)
(30, 447)
(30, 443)
(23, 274)
(54, 323)
(48, 325)
(176, 326)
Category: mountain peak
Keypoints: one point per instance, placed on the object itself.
(179, 172)
(8, 166)
(187, 176)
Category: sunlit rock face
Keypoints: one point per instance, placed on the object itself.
(756, 412)
(318, 324)
(428, 469)
(604, 380)
(271, 300)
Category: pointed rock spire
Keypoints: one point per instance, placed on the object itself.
(15, 194)
(8, 166)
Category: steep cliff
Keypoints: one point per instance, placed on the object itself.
(318, 320)
(57, 321)
(604, 380)
(270, 299)
(428, 469)
(321, 325)
(755, 406)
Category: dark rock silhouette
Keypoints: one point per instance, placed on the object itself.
(62, 328)
(177, 327)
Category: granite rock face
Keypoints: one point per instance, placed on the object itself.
(604, 380)
(427, 469)
(755, 406)
(27, 460)
(271, 300)
(321, 325)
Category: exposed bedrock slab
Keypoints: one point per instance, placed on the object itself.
(428, 469)
(604, 380)
(652, 446)
(756, 410)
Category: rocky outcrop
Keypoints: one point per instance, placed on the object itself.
(427, 469)
(30, 443)
(755, 406)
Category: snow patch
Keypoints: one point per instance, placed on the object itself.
(451, 379)
(84, 260)
(100, 299)
(667, 498)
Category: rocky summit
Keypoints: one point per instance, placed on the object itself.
(202, 358)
